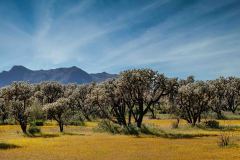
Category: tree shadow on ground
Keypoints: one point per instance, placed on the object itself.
(73, 134)
(4, 146)
(233, 128)
(184, 135)
(177, 135)
(42, 135)
(157, 132)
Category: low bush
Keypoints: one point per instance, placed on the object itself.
(37, 122)
(212, 124)
(130, 130)
(108, 126)
(10, 121)
(150, 130)
(33, 129)
(76, 123)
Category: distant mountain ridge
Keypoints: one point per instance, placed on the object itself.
(62, 75)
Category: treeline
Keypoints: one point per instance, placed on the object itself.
(123, 100)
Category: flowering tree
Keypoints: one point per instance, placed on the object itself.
(19, 95)
(50, 92)
(59, 111)
(217, 101)
(4, 110)
(79, 101)
(193, 101)
(232, 94)
(145, 87)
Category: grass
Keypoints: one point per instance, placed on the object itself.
(80, 142)
(231, 116)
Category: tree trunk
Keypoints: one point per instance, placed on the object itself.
(194, 121)
(153, 113)
(3, 119)
(178, 121)
(61, 127)
(24, 127)
(219, 115)
(199, 118)
(87, 117)
(139, 121)
(129, 117)
(233, 110)
(124, 122)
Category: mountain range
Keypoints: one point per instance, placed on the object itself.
(62, 75)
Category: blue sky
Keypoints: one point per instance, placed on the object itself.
(175, 37)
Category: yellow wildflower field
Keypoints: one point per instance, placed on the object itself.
(81, 143)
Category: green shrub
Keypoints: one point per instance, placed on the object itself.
(34, 130)
(212, 124)
(10, 121)
(37, 122)
(36, 111)
(130, 130)
(149, 130)
(108, 126)
(76, 123)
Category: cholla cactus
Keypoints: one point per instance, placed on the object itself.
(58, 111)
(79, 99)
(144, 88)
(4, 110)
(218, 99)
(51, 91)
(232, 93)
(193, 101)
(19, 97)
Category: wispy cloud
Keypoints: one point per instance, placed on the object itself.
(198, 37)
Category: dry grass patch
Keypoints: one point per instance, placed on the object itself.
(82, 143)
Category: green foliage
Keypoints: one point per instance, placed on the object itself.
(37, 111)
(38, 122)
(10, 121)
(231, 116)
(212, 124)
(77, 119)
(76, 123)
(150, 130)
(130, 130)
(33, 129)
(108, 126)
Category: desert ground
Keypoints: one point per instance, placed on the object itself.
(84, 143)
